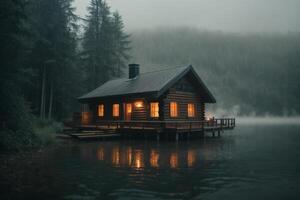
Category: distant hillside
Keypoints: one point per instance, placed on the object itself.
(247, 73)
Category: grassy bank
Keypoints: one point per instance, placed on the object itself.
(45, 131)
(40, 134)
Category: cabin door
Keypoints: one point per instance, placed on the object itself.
(128, 111)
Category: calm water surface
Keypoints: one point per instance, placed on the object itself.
(251, 162)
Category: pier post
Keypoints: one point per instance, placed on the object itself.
(177, 137)
(219, 133)
(213, 134)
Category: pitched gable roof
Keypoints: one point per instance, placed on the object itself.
(156, 82)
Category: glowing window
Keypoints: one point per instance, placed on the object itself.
(154, 109)
(129, 108)
(191, 110)
(116, 110)
(101, 110)
(139, 104)
(173, 109)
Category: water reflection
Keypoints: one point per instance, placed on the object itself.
(191, 158)
(152, 155)
(174, 160)
(115, 156)
(100, 153)
(209, 169)
(138, 161)
(129, 156)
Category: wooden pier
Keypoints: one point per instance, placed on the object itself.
(164, 130)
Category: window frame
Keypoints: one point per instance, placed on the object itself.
(155, 111)
(103, 110)
(113, 110)
(128, 108)
(174, 113)
(193, 109)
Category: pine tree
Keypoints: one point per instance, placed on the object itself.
(120, 46)
(105, 44)
(15, 127)
(54, 57)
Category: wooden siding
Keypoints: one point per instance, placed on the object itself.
(182, 99)
(86, 118)
(140, 113)
(108, 115)
(143, 113)
(137, 113)
(183, 93)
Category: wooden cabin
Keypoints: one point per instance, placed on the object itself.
(169, 103)
(164, 95)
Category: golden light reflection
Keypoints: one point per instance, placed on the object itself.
(154, 157)
(129, 156)
(138, 161)
(174, 160)
(115, 156)
(120, 156)
(191, 158)
(100, 153)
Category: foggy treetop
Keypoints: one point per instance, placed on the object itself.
(228, 16)
(249, 74)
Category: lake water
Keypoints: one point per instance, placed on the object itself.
(250, 162)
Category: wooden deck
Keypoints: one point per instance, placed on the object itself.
(147, 129)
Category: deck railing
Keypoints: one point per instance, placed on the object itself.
(221, 123)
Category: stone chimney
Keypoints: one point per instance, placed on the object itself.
(134, 70)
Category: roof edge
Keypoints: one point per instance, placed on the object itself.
(154, 93)
(183, 73)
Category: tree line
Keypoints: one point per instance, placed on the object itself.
(46, 64)
(249, 74)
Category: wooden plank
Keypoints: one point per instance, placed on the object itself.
(97, 136)
(143, 125)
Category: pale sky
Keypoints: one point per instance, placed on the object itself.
(224, 15)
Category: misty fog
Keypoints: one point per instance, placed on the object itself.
(229, 15)
(233, 44)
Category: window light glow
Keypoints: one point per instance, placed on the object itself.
(191, 110)
(138, 104)
(101, 110)
(154, 109)
(129, 108)
(116, 110)
(173, 109)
